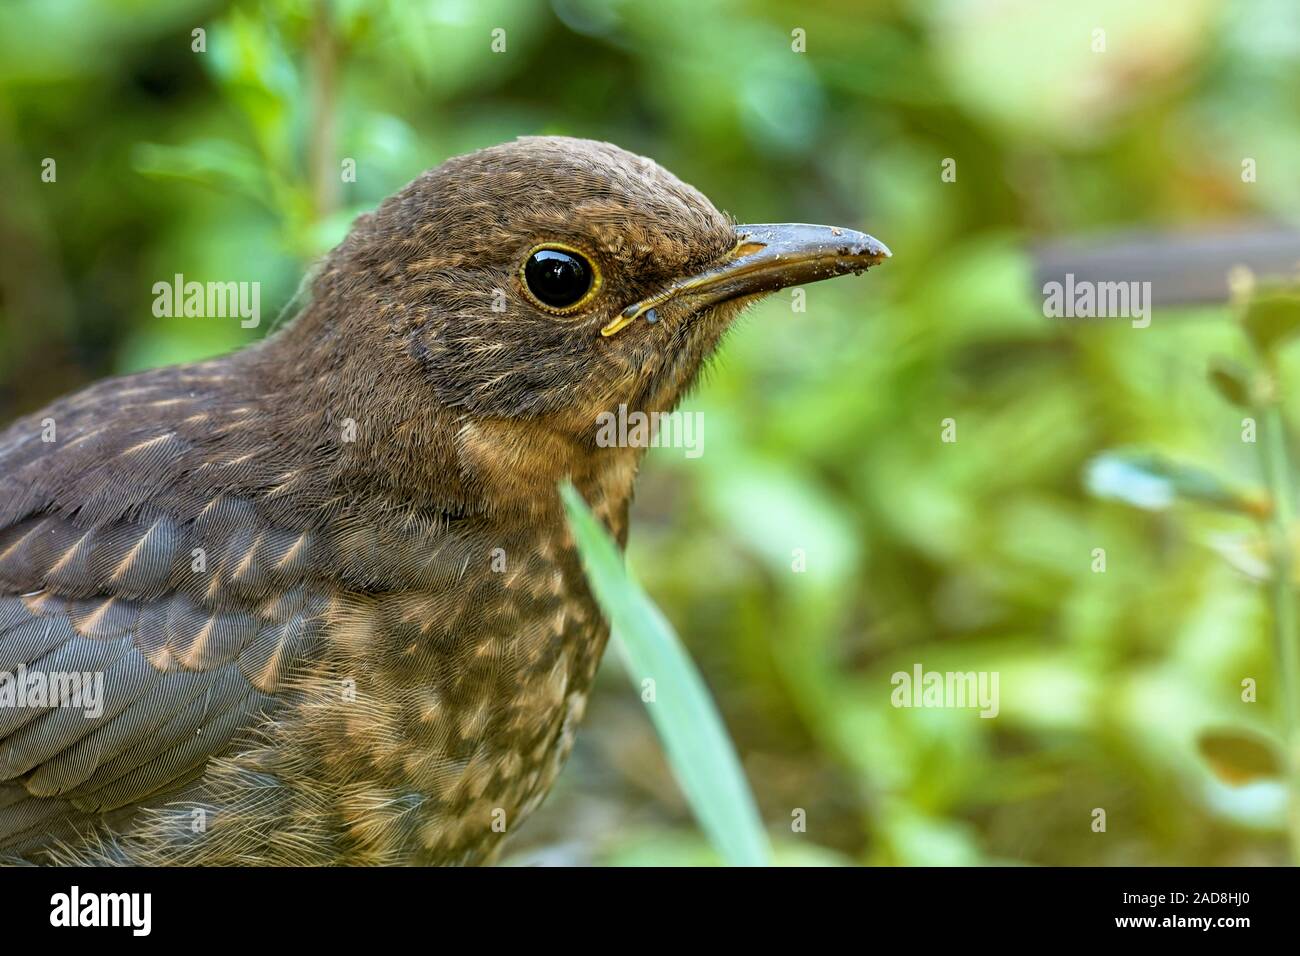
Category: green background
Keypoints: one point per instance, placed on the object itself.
(822, 428)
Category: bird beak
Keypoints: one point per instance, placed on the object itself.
(767, 257)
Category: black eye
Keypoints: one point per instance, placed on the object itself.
(559, 278)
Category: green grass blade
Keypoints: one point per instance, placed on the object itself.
(694, 738)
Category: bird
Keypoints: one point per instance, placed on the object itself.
(327, 579)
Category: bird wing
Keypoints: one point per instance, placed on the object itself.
(190, 615)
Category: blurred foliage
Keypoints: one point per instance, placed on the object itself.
(1269, 319)
(823, 428)
(695, 743)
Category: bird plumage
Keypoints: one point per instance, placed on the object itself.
(327, 579)
(311, 650)
(348, 653)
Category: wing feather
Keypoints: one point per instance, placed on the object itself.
(137, 548)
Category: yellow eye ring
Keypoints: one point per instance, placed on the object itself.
(559, 278)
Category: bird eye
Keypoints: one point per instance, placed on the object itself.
(560, 279)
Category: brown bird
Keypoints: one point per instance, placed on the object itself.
(326, 579)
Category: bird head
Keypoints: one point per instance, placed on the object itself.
(551, 275)
(547, 281)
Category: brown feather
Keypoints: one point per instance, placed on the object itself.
(282, 560)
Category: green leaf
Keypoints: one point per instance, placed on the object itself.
(217, 163)
(1238, 756)
(1150, 481)
(684, 715)
(1272, 317)
(1231, 380)
(1251, 555)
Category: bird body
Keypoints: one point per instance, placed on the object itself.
(398, 681)
(327, 580)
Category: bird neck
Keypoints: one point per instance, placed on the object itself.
(379, 429)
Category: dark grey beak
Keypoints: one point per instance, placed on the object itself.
(767, 257)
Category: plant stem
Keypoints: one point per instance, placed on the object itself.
(321, 161)
(1286, 633)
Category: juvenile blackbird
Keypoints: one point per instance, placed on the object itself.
(327, 579)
